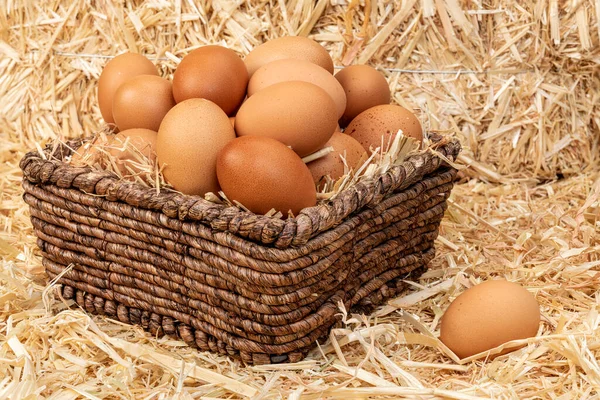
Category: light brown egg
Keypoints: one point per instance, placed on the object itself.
(189, 139)
(143, 140)
(385, 120)
(142, 102)
(130, 151)
(365, 87)
(214, 73)
(262, 173)
(332, 164)
(298, 114)
(488, 315)
(296, 47)
(232, 120)
(133, 148)
(298, 70)
(116, 72)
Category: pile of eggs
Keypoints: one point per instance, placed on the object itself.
(243, 126)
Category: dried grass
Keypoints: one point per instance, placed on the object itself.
(529, 116)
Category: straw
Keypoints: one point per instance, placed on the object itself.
(527, 208)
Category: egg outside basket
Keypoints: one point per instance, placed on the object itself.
(258, 288)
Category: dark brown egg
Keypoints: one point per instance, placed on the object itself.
(189, 139)
(262, 173)
(115, 73)
(214, 73)
(298, 114)
(332, 164)
(142, 102)
(371, 125)
(296, 47)
(365, 87)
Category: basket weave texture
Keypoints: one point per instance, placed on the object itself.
(258, 288)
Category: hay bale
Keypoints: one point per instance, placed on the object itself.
(518, 85)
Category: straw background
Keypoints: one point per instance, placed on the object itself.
(527, 111)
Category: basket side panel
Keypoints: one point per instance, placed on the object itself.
(148, 269)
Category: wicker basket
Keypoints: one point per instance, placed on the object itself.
(254, 287)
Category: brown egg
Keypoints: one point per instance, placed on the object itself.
(189, 139)
(488, 315)
(115, 73)
(262, 173)
(385, 120)
(143, 140)
(142, 102)
(214, 73)
(130, 149)
(298, 114)
(332, 164)
(365, 87)
(298, 70)
(296, 47)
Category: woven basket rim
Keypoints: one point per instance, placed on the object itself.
(51, 169)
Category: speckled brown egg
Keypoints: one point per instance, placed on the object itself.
(189, 139)
(365, 87)
(263, 174)
(298, 70)
(332, 164)
(298, 114)
(214, 73)
(142, 102)
(115, 73)
(296, 47)
(488, 315)
(384, 120)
